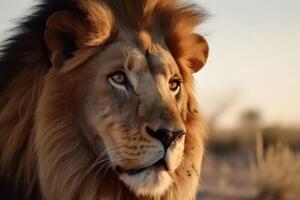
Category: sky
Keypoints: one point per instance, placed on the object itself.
(253, 61)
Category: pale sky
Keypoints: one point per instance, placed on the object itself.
(255, 52)
(254, 56)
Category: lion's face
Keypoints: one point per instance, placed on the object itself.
(134, 107)
(127, 88)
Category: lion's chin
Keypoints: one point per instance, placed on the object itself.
(151, 182)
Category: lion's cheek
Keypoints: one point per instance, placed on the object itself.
(174, 155)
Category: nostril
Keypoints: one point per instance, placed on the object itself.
(172, 136)
(165, 136)
(177, 135)
(151, 132)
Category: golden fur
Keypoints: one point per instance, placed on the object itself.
(44, 153)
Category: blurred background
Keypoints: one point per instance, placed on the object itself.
(249, 93)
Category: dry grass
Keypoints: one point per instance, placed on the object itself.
(276, 172)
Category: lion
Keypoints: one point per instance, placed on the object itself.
(97, 102)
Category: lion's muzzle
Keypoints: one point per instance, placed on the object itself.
(169, 141)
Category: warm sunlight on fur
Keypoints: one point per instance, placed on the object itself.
(97, 102)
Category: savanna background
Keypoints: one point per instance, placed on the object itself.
(249, 93)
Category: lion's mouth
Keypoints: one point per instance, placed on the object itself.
(133, 172)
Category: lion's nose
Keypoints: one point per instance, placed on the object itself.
(166, 137)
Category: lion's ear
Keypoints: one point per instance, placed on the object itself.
(197, 53)
(69, 33)
(65, 33)
(190, 50)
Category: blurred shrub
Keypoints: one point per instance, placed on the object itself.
(286, 135)
(276, 172)
(243, 138)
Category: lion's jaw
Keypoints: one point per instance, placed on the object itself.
(156, 179)
(153, 181)
(151, 175)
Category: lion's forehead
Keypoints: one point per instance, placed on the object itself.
(147, 69)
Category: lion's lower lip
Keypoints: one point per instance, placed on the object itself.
(135, 171)
(132, 172)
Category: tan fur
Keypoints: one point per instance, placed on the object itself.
(42, 142)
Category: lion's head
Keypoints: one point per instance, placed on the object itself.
(117, 102)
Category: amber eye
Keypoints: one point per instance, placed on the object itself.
(174, 85)
(118, 78)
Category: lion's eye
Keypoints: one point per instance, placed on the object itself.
(118, 78)
(174, 85)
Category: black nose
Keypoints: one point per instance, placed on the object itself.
(165, 136)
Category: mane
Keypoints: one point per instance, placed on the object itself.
(24, 62)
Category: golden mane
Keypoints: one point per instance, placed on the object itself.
(24, 63)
